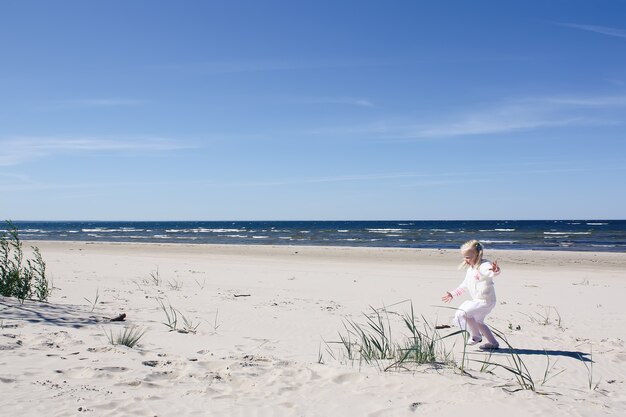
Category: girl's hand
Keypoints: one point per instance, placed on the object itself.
(447, 297)
(494, 267)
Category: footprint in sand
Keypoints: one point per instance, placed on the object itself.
(116, 369)
(348, 378)
(162, 375)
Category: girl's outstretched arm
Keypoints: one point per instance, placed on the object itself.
(447, 297)
(489, 269)
(495, 268)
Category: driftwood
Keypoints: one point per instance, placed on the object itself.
(241, 295)
(121, 317)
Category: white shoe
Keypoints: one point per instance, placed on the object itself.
(489, 346)
(474, 341)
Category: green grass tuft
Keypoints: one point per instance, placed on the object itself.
(21, 278)
(129, 337)
(374, 342)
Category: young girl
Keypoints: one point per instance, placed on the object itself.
(479, 282)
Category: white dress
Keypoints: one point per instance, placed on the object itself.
(479, 283)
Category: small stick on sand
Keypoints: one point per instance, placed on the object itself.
(121, 317)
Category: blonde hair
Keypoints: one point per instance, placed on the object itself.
(477, 247)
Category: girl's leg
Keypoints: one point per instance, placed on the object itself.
(484, 329)
(474, 329)
(468, 324)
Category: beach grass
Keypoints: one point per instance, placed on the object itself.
(371, 342)
(516, 366)
(592, 384)
(172, 316)
(129, 336)
(21, 278)
(155, 278)
(374, 342)
(95, 300)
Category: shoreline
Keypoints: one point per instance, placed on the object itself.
(515, 256)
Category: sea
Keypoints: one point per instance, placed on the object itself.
(560, 235)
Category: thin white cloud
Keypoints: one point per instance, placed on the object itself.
(603, 30)
(498, 118)
(588, 101)
(487, 124)
(529, 114)
(17, 150)
(14, 177)
(398, 179)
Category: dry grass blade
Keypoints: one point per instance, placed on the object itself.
(516, 365)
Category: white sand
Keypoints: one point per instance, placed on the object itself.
(257, 354)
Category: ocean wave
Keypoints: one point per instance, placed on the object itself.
(566, 233)
(507, 242)
(598, 235)
(105, 230)
(203, 230)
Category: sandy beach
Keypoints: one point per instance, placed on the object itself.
(261, 322)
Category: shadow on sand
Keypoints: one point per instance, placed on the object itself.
(581, 356)
(52, 314)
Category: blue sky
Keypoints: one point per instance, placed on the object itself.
(285, 110)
